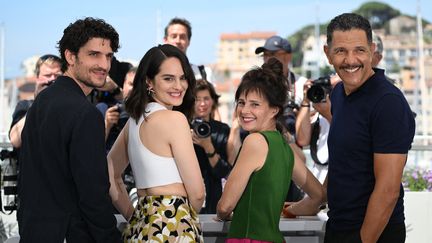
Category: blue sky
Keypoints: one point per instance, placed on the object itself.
(34, 27)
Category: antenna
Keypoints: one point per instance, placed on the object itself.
(317, 39)
(158, 27)
(2, 65)
(421, 72)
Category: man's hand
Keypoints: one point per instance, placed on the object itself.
(111, 116)
(109, 85)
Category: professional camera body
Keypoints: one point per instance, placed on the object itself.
(9, 174)
(201, 128)
(289, 116)
(122, 111)
(317, 93)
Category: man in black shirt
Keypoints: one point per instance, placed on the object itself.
(63, 184)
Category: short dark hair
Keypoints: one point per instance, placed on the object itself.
(346, 22)
(181, 21)
(202, 84)
(148, 68)
(48, 59)
(269, 81)
(77, 34)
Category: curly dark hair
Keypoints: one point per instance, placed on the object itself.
(346, 22)
(268, 81)
(148, 68)
(77, 34)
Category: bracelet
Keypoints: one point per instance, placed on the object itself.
(287, 213)
(211, 155)
(303, 105)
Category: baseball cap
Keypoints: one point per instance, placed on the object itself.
(275, 43)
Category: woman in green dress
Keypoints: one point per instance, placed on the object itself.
(256, 189)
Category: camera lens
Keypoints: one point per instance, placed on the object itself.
(201, 128)
(316, 94)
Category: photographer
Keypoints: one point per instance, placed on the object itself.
(113, 110)
(48, 68)
(115, 117)
(210, 142)
(312, 125)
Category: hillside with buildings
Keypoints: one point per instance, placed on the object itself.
(411, 69)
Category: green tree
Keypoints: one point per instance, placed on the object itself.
(377, 13)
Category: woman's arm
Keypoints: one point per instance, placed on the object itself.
(234, 142)
(180, 140)
(309, 184)
(117, 163)
(251, 158)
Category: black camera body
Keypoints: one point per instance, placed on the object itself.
(317, 93)
(9, 176)
(201, 128)
(289, 116)
(122, 111)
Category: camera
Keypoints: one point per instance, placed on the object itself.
(317, 93)
(289, 116)
(122, 111)
(9, 173)
(201, 128)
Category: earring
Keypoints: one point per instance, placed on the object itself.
(150, 91)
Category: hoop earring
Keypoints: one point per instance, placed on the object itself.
(150, 91)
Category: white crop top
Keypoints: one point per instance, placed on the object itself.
(149, 169)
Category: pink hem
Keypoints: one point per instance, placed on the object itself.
(244, 240)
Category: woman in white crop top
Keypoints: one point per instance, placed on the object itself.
(157, 142)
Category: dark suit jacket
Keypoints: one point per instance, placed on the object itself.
(63, 183)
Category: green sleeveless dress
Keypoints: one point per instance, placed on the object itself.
(258, 211)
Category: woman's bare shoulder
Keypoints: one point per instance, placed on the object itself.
(255, 141)
(168, 118)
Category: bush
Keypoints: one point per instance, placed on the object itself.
(417, 179)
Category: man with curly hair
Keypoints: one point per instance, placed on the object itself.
(63, 183)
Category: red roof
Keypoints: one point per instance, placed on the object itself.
(244, 36)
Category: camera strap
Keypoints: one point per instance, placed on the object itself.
(313, 142)
(291, 84)
(201, 68)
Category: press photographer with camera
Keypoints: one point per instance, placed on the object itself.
(112, 108)
(313, 123)
(210, 142)
(115, 116)
(48, 68)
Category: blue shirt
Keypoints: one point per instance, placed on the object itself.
(376, 118)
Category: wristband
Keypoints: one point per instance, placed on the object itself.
(211, 155)
(303, 105)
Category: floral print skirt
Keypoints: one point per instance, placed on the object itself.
(163, 219)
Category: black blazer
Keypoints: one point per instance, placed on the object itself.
(63, 184)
